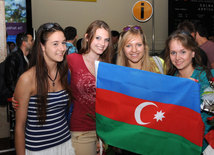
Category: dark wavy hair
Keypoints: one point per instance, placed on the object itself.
(37, 60)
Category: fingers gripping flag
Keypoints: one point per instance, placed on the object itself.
(147, 113)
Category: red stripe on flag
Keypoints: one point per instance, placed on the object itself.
(177, 119)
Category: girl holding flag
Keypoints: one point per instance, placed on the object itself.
(133, 51)
(182, 59)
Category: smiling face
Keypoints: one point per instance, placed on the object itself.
(180, 56)
(55, 47)
(100, 41)
(134, 50)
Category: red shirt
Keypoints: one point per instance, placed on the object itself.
(84, 93)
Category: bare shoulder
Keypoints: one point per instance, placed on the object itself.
(27, 76)
(27, 80)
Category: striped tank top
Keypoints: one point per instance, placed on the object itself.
(55, 131)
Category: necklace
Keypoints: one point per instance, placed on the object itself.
(53, 80)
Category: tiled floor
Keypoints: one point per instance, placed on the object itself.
(7, 146)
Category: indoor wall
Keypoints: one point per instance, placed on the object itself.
(117, 13)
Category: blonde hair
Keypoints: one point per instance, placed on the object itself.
(148, 64)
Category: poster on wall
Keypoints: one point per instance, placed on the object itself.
(15, 18)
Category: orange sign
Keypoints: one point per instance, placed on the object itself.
(142, 11)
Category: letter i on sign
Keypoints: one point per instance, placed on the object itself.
(142, 10)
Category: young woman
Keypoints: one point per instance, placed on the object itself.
(182, 59)
(133, 51)
(43, 96)
(96, 46)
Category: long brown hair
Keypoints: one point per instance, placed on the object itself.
(90, 32)
(37, 60)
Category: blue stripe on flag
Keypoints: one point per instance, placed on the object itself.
(149, 86)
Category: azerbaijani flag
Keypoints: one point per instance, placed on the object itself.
(148, 113)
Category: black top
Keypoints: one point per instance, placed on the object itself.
(15, 65)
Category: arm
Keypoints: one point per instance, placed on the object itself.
(22, 94)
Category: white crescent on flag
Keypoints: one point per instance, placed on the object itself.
(138, 112)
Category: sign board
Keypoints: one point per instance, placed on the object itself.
(142, 11)
(192, 10)
(18, 18)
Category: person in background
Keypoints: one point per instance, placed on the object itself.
(115, 37)
(96, 46)
(15, 64)
(12, 47)
(79, 44)
(189, 27)
(71, 37)
(205, 44)
(43, 93)
(182, 59)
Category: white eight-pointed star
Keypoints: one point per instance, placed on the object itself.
(159, 116)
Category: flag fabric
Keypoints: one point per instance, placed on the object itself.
(148, 113)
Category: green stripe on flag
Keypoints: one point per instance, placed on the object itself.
(143, 140)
